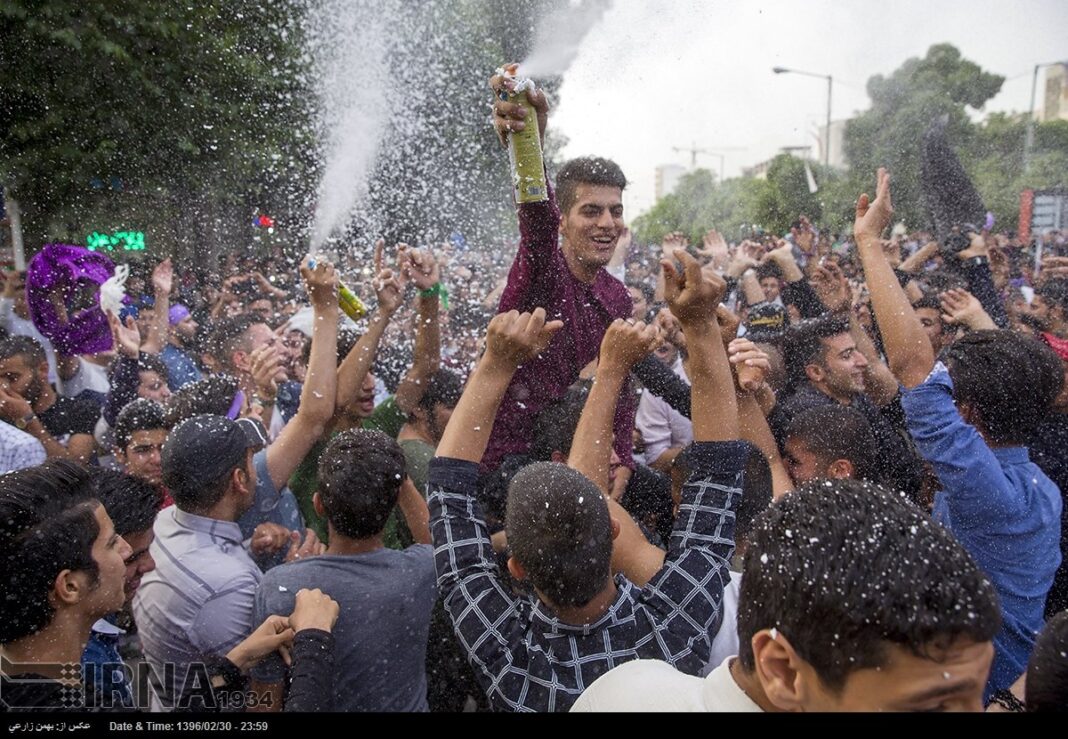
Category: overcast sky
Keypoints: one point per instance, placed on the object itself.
(653, 75)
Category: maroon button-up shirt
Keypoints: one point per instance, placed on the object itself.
(540, 278)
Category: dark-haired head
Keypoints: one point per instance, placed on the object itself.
(1004, 383)
(821, 350)
(442, 393)
(586, 171)
(47, 525)
(360, 476)
(852, 578)
(214, 395)
(1046, 687)
(832, 441)
(559, 533)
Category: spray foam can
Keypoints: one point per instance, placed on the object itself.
(524, 147)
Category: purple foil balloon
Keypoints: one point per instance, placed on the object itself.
(79, 273)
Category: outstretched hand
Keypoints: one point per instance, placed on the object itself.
(515, 337)
(509, 117)
(873, 216)
(625, 342)
(692, 295)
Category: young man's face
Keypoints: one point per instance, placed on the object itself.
(950, 678)
(592, 225)
(802, 463)
(22, 378)
(931, 321)
(153, 387)
(143, 455)
(260, 335)
(640, 307)
(186, 329)
(842, 367)
(110, 552)
(771, 288)
(139, 562)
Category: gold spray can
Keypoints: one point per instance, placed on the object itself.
(524, 147)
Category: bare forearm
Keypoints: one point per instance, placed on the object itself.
(879, 381)
(317, 397)
(591, 450)
(714, 405)
(427, 359)
(415, 512)
(751, 288)
(160, 331)
(754, 429)
(358, 363)
(469, 428)
(907, 348)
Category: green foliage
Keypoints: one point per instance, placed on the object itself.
(156, 115)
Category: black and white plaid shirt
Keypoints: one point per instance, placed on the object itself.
(525, 657)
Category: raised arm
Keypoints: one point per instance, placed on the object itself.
(356, 365)
(908, 350)
(513, 338)
(538, 262)
(693, 299)
(160, 330)
(320, 384)
(623, 345)
(425, 275)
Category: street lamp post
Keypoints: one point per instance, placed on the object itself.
(827, 131)
(1029, 140)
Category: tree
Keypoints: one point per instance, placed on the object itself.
(890, 133)
(180, 117)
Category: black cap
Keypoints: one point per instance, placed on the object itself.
(202, 449)
(766, 322)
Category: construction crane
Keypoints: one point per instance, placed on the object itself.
(717, 151)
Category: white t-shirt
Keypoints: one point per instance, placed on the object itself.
(89, 376)
(725, 643)
(662, 427)
(652, 685)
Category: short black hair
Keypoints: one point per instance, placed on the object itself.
(1010, 379)
(560, 532)
(647, 291)
(212, 395)
(360, 476)
(1046, 686)
(47, 525)
(929, 301)
(768, 269)
(586, 171)
(803, 344)
(226, 336)
(22, 346)
(151, 363)
(444, 387)
(834, 431)
(1055, 291)
(842, 568)
(131, 502)
(554, 428)
(138, 415)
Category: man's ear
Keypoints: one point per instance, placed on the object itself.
(68, 588)
(841, 469)
(814, 372)
(558, 456)
(615, 527)
(317, 504)
(778, 668)
(119, 454)
(517, 570)
(42, 371)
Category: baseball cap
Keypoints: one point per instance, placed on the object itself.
(203, 448)
(766, 322)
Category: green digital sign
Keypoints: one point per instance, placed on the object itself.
(118, 241)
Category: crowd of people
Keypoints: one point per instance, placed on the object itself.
(792, 472)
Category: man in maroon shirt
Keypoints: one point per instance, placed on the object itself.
(565, 243)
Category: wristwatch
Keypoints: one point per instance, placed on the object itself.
(25, 421)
